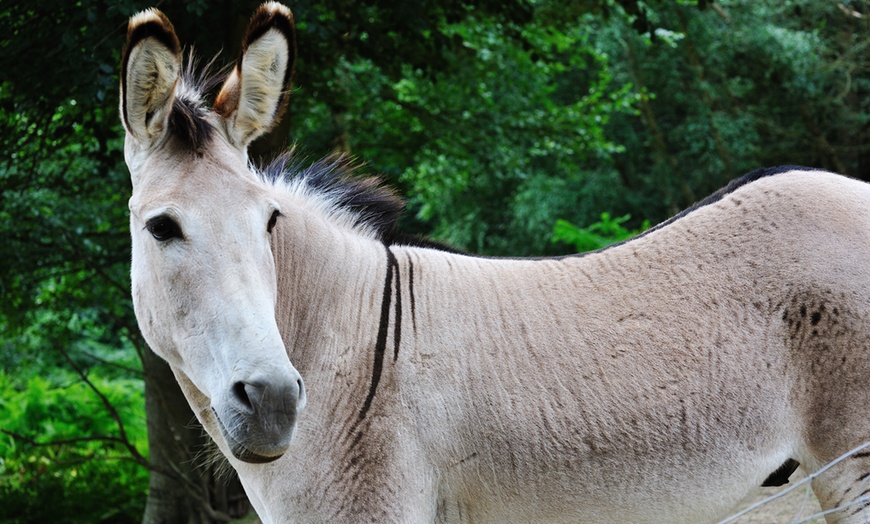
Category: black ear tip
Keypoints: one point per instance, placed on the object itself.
(148, 24)
(271, 15)
(152, 23)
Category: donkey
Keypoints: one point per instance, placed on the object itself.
(658, 380)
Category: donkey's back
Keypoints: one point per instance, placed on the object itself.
(662, 379)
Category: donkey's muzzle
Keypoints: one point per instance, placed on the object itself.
(258, 415)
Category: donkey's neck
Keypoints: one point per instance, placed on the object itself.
(330, 285)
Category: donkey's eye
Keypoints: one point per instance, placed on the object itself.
(163, 228)
(273, 220)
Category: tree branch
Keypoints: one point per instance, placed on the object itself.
(111, 409)
(136, 372)
(721, 12)
(61, 442)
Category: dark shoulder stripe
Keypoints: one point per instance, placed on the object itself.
(397, 325)
(411, 294)
(381, 341)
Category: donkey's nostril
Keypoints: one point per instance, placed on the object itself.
(245, 396)
(301, 397)
(259, 397)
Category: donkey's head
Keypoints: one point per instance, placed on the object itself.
(204, 285)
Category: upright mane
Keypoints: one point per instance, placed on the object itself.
(187, 120)
(369, 205)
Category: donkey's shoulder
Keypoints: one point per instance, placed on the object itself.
(763, 173)
(748, 178)
(734, 185)
(743, 182)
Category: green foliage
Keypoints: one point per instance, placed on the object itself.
(64, 302)
(79, 472)
(744, 85)
(523, 124)
(511, 121)
(605, 232)
(517, 109)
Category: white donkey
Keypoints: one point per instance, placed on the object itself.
(656, 381)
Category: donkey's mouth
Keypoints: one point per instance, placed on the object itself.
(239, 450)
(245, 455)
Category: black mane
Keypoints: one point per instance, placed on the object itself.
(731, 187)
(187, 123)
(187, 120)
(374, 205)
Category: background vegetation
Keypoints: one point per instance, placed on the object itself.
(519, 127)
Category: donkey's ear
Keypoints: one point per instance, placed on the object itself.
(149, 71)
(254, 96)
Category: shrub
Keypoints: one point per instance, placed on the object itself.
(60, 457)
(600, 234)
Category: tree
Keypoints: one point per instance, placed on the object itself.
(730, 89)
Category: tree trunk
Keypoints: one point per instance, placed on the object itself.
(187, 485)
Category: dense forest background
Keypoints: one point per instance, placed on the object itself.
(516, 127)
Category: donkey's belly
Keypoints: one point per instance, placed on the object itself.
(624, 461)
(605, 493)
